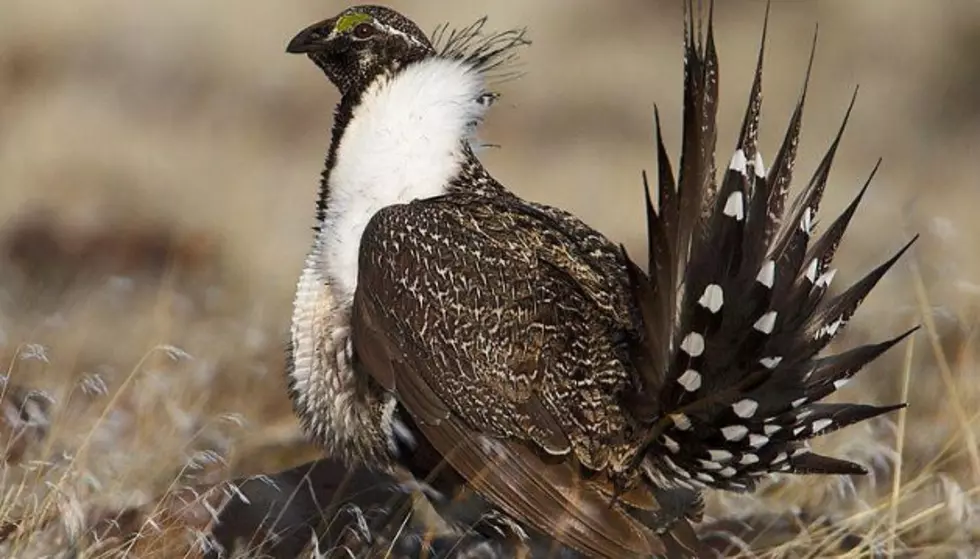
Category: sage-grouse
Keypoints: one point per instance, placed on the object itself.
(502, 347)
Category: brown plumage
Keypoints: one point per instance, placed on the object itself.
(586, 401)
(520, 386)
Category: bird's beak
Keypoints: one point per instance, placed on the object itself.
(314, 38)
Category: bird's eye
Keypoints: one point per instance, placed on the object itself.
(364, 31)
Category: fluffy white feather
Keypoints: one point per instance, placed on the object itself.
(403, 142)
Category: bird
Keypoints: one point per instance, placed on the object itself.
(502, 349)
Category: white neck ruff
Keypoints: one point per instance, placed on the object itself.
(404, 142)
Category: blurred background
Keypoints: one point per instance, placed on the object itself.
(159, 163)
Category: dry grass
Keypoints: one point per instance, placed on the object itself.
(158, 164)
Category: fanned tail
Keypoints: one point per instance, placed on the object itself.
(735, 303)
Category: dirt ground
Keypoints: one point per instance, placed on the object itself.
(158, 166)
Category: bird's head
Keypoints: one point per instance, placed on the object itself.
(361, 43)
(364, 42)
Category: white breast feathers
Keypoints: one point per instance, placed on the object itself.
(404, 141)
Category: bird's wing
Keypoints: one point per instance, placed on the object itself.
(476, 321)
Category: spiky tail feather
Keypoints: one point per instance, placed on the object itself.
(735, 303)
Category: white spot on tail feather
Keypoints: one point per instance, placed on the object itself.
(681, 421)
(745, 408)
(690, 380)
(712, 298)
(767, 274)
(757, 441)
(709, 464)
(821, 424)
(719, 455)
(830, 329)
(766, 322)
(811, 271)
(739, 162)
(760, 168)
(735, 206)
(670, 443)
(826, 277)
(693, 344)
(748, 458)
(734, 432)
(806, 222)
(771, 362)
